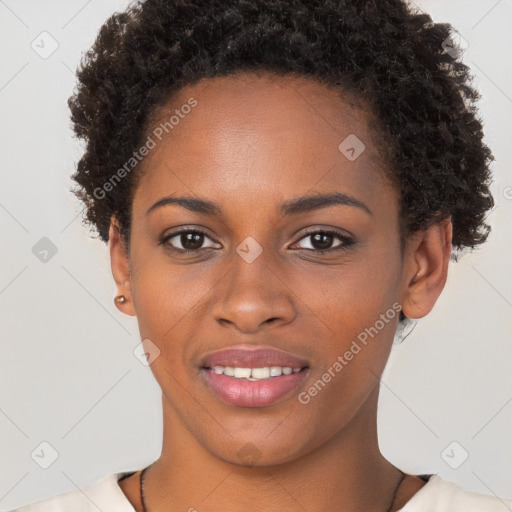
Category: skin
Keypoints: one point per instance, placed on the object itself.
(251, 143)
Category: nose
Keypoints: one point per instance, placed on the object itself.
(253, 295)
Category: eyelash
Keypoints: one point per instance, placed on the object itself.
(347, 241)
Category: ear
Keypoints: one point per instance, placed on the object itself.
(428, 255)
(120, 265)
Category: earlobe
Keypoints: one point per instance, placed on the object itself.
(120, 265)
(428, 258)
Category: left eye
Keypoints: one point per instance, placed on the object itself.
(322, 241)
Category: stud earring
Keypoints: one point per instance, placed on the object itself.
(120, 299)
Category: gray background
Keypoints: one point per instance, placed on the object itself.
(68, 375)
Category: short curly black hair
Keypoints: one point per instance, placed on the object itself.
(383, 52)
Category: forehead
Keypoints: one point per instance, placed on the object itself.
(272, 136)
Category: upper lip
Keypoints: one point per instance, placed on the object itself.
(252, 357)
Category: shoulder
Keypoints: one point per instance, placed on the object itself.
(104, 494)
(439, 495)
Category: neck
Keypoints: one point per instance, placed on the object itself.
(347, 471)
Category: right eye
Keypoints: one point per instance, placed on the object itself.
(190, 239)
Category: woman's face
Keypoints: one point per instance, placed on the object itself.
(257, 278)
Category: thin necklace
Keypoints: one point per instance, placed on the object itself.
(145, 509)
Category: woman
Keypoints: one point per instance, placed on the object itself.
(281, 184)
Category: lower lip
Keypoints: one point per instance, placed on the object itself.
(257, 393)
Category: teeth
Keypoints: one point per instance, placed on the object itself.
(260, 373)
(275, 371)
(228, 370)
(242, 373)
(254, 373)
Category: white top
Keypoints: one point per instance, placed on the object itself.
(437, 495)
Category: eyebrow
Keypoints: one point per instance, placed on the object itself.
(291, 207)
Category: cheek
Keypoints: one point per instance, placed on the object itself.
(351, 296)
(351, 364)
(168, 299)
(360, 312)
(358, 303)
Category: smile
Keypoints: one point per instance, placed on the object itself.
(253, 387)
(254, 373)
(252, 376)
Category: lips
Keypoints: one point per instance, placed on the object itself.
(252, 357)
(243, 391)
